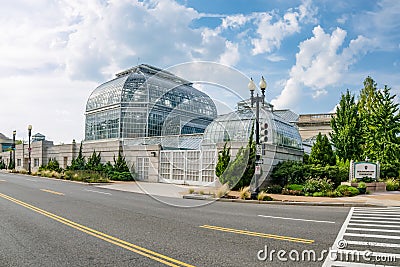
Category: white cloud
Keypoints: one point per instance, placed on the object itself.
(231, 55)
(120, 33)
(234, 21)
(343, 19)
(271, 34)
(319, 64)
(54, 105)
(275, 58)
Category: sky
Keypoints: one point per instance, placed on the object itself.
(54, 53)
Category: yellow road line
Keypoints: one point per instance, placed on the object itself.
(244, 232)
(113, 240)
(52, 192)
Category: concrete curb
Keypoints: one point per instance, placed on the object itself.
(275, 202)
(57, 179)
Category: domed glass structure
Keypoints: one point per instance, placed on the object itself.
(146, 101)
(236, 126)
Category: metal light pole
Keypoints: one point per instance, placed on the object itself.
(13, 147)
(252, 87)
(29, 148)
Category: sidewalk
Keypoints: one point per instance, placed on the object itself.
(379, 199)
(156, 189)
(178, 191)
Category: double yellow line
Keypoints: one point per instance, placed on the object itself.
(244, 232)
(113, 240)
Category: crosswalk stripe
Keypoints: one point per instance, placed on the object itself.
(377, 218)
(394, 222)
(373, 244)
(380, 214)
(372, 230)
(374, 236)
(377, 211)
(371, 225)
(375, 225)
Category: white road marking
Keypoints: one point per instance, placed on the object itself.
(374, 220)
(32, 180)
(294, 219)
(328, 261)
(378, 212)
(373, 244)
(373, 230)
(97, 192)
(377, 209)
(369, 221)
(377, 218)
(396, 215)
(375, 225)
(374, 236)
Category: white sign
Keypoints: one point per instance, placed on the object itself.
(259, 150)
(365, 169)
(258, 170)
(260, 161)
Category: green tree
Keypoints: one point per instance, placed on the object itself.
(251, 162)
(53, 165)
(383, 128)
(366, 100)
(120, 171)
(346, 134)
(367, 96)
(224, 158)
(321, 152)
(120, 164)
(235, 169)
(79, 163)
(94, 162)
(11, 164)
(240, 171)
(2, 165)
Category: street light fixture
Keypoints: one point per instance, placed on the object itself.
(263, 86)
(252, 88)
(13, 147)
(29, 148)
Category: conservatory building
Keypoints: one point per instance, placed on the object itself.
(145, 101)
(279, 137)
(167, 130)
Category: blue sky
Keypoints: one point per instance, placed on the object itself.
(54, 53)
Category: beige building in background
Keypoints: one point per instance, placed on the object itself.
(311, 124)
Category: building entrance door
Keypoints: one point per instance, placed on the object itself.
(142, 168)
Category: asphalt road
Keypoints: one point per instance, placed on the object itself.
(47, 222)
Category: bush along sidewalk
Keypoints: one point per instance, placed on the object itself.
(315, 187)
(90, 171)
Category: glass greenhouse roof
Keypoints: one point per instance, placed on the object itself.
(146, 101)
(236, 126)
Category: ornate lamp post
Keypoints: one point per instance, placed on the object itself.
(13, 147)
(252, 87)
(29, 148)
